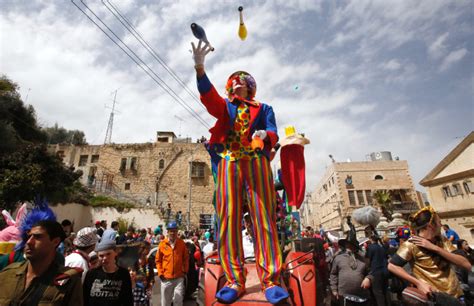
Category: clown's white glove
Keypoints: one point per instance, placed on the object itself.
(199, 53)
(262, 134)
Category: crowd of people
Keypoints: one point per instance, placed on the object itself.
(415, 265)
(99, 266)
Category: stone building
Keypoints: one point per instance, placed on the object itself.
(346, 186)
(168, 171)
(450, 189)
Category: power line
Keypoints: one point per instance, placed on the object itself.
(132, 30)
(161, 82)
(154, 77)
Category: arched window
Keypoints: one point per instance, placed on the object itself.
(378, 177)
(161, 164)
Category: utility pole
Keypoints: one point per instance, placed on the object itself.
(108, 134)
(190, 188)
(306, 209)
(193, 150)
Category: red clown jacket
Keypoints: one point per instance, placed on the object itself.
(225, 111)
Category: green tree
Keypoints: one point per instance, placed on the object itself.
(33, 171)
(26, 167)
(18, 124)
(57, 134)
(384, 201)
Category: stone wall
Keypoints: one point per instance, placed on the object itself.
(83, 216)
(147, 174)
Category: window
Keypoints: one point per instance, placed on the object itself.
(123, 164)
(91, 176)
(332, 179)
(457, 189)
(360, 197)
(352, 200)
(161, 164)
(60, 154)
(127, 186)
(446, 192)
(163, 139)
(133, 163)
(378, 177)
(109, 181)
(197, 170)
(467, 186)
(368, 196)
(94, 158)
(83, 160)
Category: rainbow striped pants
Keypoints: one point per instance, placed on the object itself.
(255, 178)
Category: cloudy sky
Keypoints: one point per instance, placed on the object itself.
(355, 77)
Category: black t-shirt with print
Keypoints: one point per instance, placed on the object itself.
(108, 289)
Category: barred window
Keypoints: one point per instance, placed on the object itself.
(468, 187)
(197, 169)
(352, 200)
(360, 197)
(447, 192)
(83, 160)
(457, 189)
(123, 164)
(133, 163)
(94, 158)
(368, 195)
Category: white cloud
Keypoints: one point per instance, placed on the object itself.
(392, 65)
(438, 48)
(338, 54)
(361, 108)
(452, 58)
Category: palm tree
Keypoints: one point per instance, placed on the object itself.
(384, 202)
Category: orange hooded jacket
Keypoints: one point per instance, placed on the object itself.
(172, 263)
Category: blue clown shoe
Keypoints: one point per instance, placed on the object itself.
(276, 294)
(229, 294)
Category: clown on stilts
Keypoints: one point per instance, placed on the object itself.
(242, 168)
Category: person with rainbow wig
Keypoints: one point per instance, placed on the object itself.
(241, 141)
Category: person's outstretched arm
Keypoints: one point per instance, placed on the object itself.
(214, 103)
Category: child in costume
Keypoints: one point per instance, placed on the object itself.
(241, 168)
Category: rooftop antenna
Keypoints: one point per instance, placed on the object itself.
(108, 134)
(180, 121)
